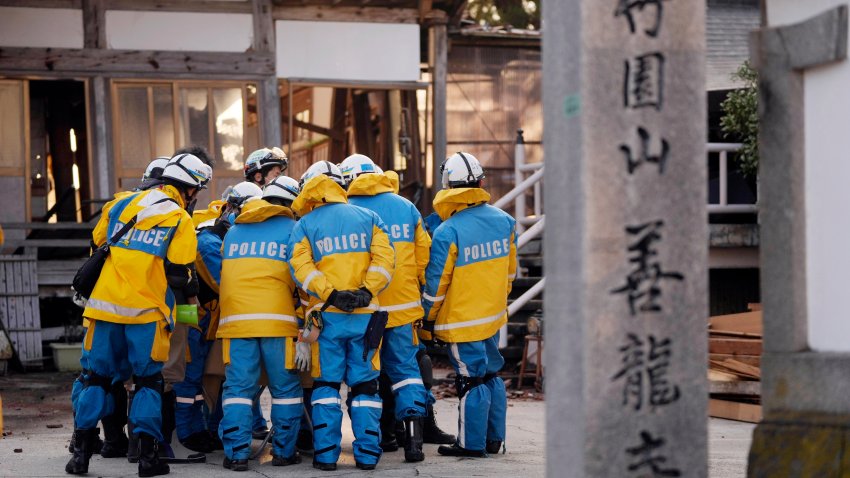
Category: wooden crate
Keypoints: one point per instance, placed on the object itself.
(19, 306)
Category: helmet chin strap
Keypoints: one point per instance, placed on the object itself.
(471, 177)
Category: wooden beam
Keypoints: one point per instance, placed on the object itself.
(315, 128)
(734, 346)
(77, 4)
(263, 25)
(102, 159)
(425, 6)
(205, 6)
(742, 412)
(94, 24)
(347, 14)
(438, 59)
(270, 111)
(90, 60)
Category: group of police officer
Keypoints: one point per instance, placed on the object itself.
(299, 286)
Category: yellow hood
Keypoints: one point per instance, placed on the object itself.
(258, 210)
(394, 179)
(213, 211)
(370, 185)
(152, 213)
(318, 191)
(449, 201)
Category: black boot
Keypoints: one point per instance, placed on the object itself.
(200, 442)
(115, 442)
(494, 447)
(149, 463)
(235, 465)
(388, 437)
(83, 442)
(431, 432)
(413, 439)
(456, 450)
(284, 461)
(389, 443)
(132, 438)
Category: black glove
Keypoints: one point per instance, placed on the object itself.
(220, 228)
(364, 297)
(345, 300)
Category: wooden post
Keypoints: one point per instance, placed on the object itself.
(94, 24)
(438, 60)
(101, 138)
(269, 96)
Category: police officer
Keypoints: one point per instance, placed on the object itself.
(401, 299)
(259, 328)
(469, 276)
(342, 257)
(131, 309)
(265, 164)
(191, 429)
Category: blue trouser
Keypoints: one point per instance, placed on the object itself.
(113, 346)
(341, 359)
(483, 407)
(241, 384)
(188, 412)
(398, 361)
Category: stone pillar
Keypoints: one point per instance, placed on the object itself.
(805, 381)
(625, 251)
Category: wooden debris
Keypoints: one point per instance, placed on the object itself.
(742, 412)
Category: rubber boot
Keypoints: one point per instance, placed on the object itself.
(133, 439)
(149, 463)
(431, 432)
(388, 436)
(96, 447)
(83, 449)
(493, 447)
(456, 450)
(115, 443)
(413, 439)
(200, 442)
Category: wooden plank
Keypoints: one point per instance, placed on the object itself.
(263, 25)
(734, 346)
(743, 388)
(347, 14)
(75, 4)
(748, 322)
(92, 60)
(94, 24)
(741, 367)
(742, 412)
(207, 6)
(719, 376)
(438, 61)
(732, 333)
(720, 367)
(754, 360)
(754, 306)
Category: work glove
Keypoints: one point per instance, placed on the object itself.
(220, 228)
(303, 355)
(345, 300)
(364, 297)
(426, 333)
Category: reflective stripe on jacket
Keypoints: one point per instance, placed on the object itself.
(472, 267)
(338, 246)
(132, 288)
(258, 296)
(401, 299)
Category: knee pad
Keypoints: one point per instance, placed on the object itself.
(465, 384)
(318, 384)
(369, 387)
(154, 382)
(94, 380)
(426, 370)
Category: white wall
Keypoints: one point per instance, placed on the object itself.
(41, 27)
(183, 31)
(347, 51)
(827, 130)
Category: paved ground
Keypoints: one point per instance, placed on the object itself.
(34, 405)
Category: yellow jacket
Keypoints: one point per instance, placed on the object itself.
(401, 299)
(338, 246)
(132, 288)
(258, 296)
(211, 212)
(472, 267)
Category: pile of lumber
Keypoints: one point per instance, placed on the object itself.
(734, 373)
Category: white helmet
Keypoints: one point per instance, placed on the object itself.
(322, 167)
(155, 167)
(461, 170)
(263, 158)
(355, 165)
(237, 195)
(282, 187)
(188, 169)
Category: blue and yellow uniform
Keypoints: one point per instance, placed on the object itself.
(259, 327)
(131, 309)
(337, 246)
(401, 299)
(472, 267)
